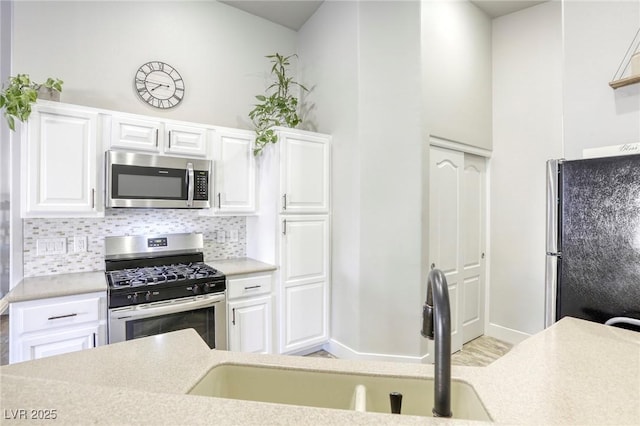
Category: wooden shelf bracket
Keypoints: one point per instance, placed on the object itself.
(621, 78)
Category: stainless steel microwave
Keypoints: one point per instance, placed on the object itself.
(157, 181)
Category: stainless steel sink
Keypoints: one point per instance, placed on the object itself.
(334, 390)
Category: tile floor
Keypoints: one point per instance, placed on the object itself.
(479, 352)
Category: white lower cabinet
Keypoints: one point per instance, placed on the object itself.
(305, 321)
(58, 325)
(250, 313)
(304, 274)
(59, 342)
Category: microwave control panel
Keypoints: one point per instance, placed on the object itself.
(201, 185)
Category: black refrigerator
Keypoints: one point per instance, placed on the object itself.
(593, 240)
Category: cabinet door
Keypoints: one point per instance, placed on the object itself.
(235, 183)
(305, 319)
(304, 249)
(61, 162)
(135, 134)
(304, 280)
(250, 325)
(59, 342)
(304, 173)
(188, 140)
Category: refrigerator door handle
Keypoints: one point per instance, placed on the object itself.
(552, 207)
(550, 290)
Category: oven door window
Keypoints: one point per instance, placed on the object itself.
(136, 182)
(202, 320)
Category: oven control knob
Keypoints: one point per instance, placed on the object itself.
(147, 296)
(195, 289)
(205, 288)
(134, 297)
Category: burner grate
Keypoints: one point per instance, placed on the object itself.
(134, 277)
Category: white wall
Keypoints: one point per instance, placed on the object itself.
(552, 66)
(97, 46)
(456, 49)
(328, 48)
(527, 131)
(364, 60)
(597, 35)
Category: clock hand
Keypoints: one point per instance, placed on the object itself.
(159, 85)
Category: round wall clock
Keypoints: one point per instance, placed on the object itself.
(159, 84)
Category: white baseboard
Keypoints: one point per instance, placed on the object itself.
(344, 352)
(307, 351)
(505, 334)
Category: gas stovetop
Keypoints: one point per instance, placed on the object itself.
(151, 275)
(145, 269)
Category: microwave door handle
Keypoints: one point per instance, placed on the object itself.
(190, 184)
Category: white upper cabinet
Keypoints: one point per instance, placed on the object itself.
(148, 134)
(235, 171)
(186, 140)
(61, 159)
(134, 133)
(304, 172)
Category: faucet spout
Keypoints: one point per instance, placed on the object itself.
(436, 325)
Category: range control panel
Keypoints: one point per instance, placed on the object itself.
(157, 242)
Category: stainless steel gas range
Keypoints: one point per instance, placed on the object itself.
(160, 283)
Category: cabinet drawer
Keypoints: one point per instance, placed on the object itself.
(248, 286)
(58, 312)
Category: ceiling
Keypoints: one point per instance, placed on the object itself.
(496, 8)
(294, 13)
(289, 13)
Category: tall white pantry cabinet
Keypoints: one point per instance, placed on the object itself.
(292, 232)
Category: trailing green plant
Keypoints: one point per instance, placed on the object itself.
(20, 93)
(278, 107)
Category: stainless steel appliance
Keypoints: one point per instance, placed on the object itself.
(593, 240)
(157, 181)
(158, 284)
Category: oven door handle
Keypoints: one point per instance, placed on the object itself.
(150, 310)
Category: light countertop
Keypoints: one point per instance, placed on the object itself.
(57, 285)
(575, 372)
(47, 286)
(243, 265)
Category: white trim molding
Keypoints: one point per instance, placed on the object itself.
(344, 352)
(457, 146)
(505, 334)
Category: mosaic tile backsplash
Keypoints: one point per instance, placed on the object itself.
(124, 222)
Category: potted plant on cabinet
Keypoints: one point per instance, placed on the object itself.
(278, 107)
(20, 94)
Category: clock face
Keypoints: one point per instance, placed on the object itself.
(159, 85)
